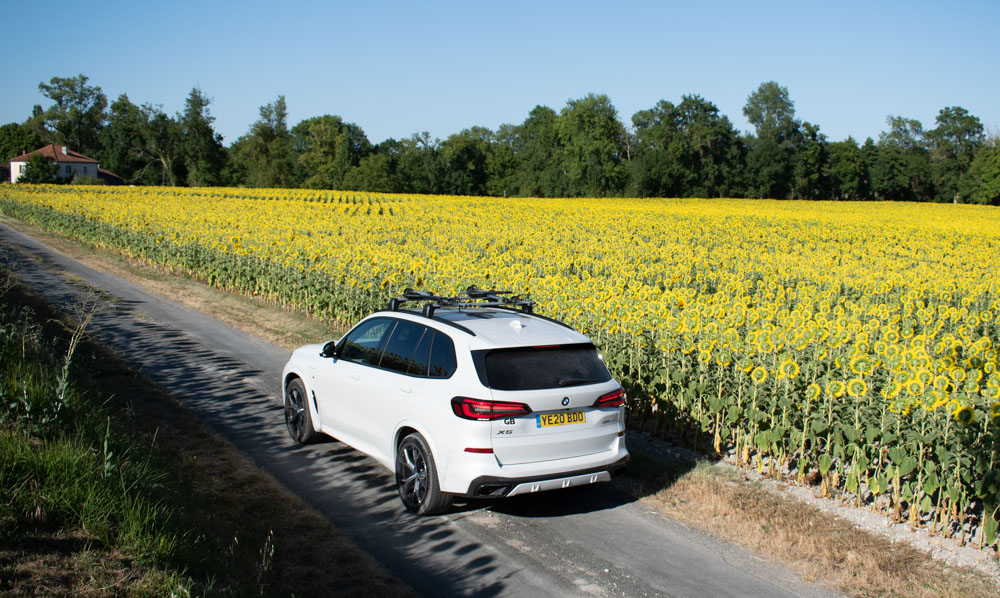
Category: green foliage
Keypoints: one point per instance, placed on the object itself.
(39, 169)
(584, 149)
(953, 143)
(15, 139)
(264, 157)
(326, 148)
(771, 152)
(687, 150)
(592, 140)
(981, 184)
(204, 157)
(848, 172)
(77, 115)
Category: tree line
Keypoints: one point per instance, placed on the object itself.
(686, 149)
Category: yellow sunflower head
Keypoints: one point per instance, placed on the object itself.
(965, 415)
(788, 369)
(835, 389)
(856, 387)
(813, 391)
(914, 387)
(861, 365)
(892, 390)
(758, 375)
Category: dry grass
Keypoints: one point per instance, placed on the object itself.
(819, 545)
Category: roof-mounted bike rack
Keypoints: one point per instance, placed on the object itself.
(473, 297)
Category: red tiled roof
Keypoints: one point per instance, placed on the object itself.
(57, 153)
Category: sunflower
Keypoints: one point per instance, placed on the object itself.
(965, 415)
(861, 365)
(813, 391)
(704, 357)
(758, 375)
(914, 387)
(941, 382)
(788, 369)
(892, 390)
(724, 357)
(995, 413)
(835, 389)
(856, 387)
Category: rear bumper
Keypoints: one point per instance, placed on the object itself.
(497, 487)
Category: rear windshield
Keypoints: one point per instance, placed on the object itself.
(532, 368)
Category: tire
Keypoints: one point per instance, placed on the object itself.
(298, 421)
(417, 479)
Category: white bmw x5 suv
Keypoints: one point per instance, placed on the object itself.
(472, 396)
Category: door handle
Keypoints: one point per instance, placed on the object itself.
(405, 389)
(355, 376)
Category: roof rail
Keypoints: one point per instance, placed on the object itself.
(473, 297)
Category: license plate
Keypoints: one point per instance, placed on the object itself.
(544, 420)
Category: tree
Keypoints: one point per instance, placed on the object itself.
(592, 157)
(375, 172)
(326, 148)
(39, 169)
(890, 176)
(771, 152)
(687, 150)
(903, 155)
(202, 152)
(538, 156)
(122, 140)
(501, 163)
(811, 165)
(466, 157)
(848, 173)
(981, 184)
(953, 144)
(419, 164)
(77, 115)
(263, 157)
(16, 139)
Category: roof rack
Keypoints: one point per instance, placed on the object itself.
(473, 297)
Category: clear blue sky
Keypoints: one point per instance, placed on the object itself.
(396, 68)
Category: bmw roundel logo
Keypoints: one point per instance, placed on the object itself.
(565, 401)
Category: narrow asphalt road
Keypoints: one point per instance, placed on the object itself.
(578, 542)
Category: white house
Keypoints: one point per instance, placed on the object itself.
(70, 163)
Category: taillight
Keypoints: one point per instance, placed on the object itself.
(481, 410)
(612, 399)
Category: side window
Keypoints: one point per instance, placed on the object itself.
(398, 354)
(362, 344)
(418, 365)
(442, 359)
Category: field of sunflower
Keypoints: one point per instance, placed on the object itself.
(856, 341)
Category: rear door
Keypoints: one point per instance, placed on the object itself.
(560, 384)
(391, 387)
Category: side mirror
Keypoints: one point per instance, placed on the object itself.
(329, 350)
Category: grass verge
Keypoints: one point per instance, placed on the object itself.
(109, 488)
